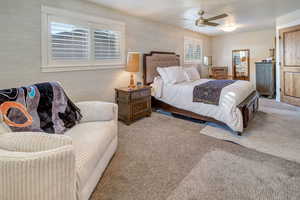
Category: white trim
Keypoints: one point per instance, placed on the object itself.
(78, 68)
(86, 21)
(66, 13)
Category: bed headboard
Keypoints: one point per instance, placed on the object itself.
(157, 59)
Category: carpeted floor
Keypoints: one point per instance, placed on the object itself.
(222, 175)
(156, 154)
(274, 130)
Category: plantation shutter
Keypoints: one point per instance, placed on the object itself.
(107, 45)
(69, 42)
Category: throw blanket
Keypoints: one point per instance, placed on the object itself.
(50, 108)
(210, 91)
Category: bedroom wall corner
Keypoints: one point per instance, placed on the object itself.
(259, 42)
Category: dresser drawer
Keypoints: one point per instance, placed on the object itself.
(141, 106)
(141, 94)
(122, 97)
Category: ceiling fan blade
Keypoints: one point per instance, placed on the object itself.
(217, 17)
(211, 24)
(186, 19)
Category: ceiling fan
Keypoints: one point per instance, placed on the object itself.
(207, 22)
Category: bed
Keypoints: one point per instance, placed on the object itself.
(238, 101)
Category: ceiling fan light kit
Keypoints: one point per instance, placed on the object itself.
(229, 28)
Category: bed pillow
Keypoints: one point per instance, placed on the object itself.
(175, 74)
(163, 74)
(191, 73)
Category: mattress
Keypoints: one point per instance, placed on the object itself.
(181, 96)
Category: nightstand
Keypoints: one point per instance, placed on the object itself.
(133, 103)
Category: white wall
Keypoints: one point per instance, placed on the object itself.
(259, 43)
(20, 49)
(285, 21)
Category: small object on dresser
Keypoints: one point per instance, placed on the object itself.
(134, 103)
(139, 84)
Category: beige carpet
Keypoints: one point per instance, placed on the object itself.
(275, 130)
(156, 154)
(221, 175)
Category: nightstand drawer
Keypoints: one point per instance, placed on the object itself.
(141, 106)
(141, 94)
(123, 97)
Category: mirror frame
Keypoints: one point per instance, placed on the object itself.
(234, 65)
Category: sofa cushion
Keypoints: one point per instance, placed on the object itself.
(3, 127)
(90, 141)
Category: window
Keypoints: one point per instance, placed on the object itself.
(69, 42)
(107, 45)
(78, 42)
(192, 50)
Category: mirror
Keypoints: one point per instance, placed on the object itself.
(240, 64)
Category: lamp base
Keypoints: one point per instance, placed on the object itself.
(131, 83)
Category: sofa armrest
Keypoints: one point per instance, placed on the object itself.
(43, 175)
(98, 111)
(32, 141)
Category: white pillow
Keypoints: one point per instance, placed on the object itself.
(172, 75)
(163, 74)
(191, 73)
(175, 74)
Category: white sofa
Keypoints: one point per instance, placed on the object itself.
(40, 166)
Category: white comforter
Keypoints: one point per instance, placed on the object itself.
(181, 96)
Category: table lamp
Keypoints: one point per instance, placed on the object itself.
(133, 65)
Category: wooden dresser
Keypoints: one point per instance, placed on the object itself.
(265, 78)
(133, 103)
(219, 73)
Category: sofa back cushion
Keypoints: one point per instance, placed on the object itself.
(3, 127)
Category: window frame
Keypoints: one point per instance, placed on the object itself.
(192, 40)
(85, 21)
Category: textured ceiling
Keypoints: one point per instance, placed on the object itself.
(246, 15)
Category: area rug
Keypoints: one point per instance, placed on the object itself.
(155, 154)
(222, 175)
(274, 130)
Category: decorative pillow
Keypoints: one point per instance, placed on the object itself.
(175, 74)
(191, 73)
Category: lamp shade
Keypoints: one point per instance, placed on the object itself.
(133, 62)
